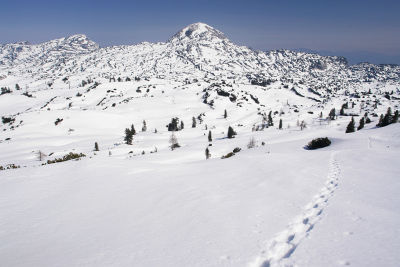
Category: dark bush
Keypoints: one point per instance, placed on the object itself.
(7, 119)
(236, 150)
(70, 156)
(319, 143)
(230, 154)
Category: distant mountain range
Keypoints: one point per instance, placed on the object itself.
(357, 57)
(197, 51)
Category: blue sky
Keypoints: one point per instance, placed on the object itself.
(366, 28)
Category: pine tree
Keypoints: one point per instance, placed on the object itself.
(341, 112)
(225, 114)
(362, 123)
(303, 125)
(209, 137)
(17, 87)
(173, 125)
(387, 119)
(351, 126)
(395, 118)
(208, 155)
(144, 127)
(193, 122)
(270, 121)
(133, 131)
(182, 125)
(380, 123)
(280, 124)
(332, 114)
(231, 132)
(128, 136)
(96, 146)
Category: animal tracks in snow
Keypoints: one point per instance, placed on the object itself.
(282, 246)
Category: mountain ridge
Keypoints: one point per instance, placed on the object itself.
(197, 50)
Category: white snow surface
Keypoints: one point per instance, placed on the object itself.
(277, 204)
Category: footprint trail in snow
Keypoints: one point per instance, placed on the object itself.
(281, 247)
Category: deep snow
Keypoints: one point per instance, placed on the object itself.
(276, 204)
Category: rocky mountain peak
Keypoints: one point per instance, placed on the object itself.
(197, 31)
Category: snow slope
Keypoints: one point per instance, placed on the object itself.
(276, 204)
(155, 211)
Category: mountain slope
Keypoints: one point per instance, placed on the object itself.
(198, 51)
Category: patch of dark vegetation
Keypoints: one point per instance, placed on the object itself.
(5, 90)
(318, 143)
(231, 154)
(388, 118)
(58, 120)
(236, 150)
(7, 119)
(27, 94)
(70, 156)
(9, 167)
(255, 99)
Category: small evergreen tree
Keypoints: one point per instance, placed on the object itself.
(96, 146)
(144, 127)
(225, 114)
(380, 121)
(387, 119)
(270, 121)
(208, 155)
(173, 125)
(351, 126)
(341, 112)
(332, 114)
(395, 118)
(133, 131)
(362, 123)
(209, 136)
(182, 125)
(17, 87)
(303, 125)
(231, 132)
(193, 122)
(280, 124)
(128, 136)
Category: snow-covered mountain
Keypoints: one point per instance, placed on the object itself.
(197, 50)
(258, 199)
